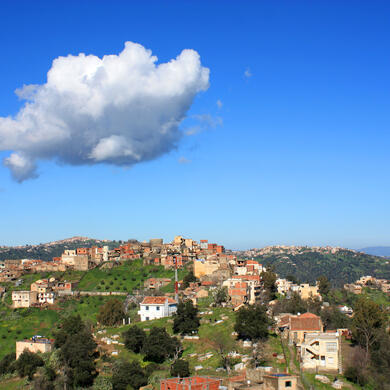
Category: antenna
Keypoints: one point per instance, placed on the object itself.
(176, 281)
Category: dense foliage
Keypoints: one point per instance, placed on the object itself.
(186, 320)
(252, 323)
(28, 363)
(76, 352)
(180, 368)
(159, 345)
(111, 313)
(189, 278)
(343, 266)
(134, 338)
(128, 374)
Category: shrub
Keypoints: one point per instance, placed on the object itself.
(180, 368)
(134, 339)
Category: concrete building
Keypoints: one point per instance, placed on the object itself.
(35, 344)
(152, 308)
(24, 298)
(320, 352)
(280, 382)
(306, 291)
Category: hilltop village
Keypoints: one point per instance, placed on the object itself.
(228, 320)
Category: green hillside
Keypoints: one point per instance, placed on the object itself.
(343, 266)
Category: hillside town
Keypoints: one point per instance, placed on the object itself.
(211, 279)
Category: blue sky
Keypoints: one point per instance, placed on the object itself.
(297, 153)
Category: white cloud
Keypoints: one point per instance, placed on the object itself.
(120, 109)
(248, 73)
(219, 104)
(183, 160)
(204, 122)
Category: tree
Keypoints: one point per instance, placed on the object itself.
(111, 313)
(189, 278)
(186, 320)
(102, 383)
(224, 344)
(324, 285)
(134, 339)
(367, 322)
(128, 373)
(7, 364)
(27, 364)
(180, 368)
(252, 323)
(77, 352)
(332, 318)
(159, 346)
(269, 283)
(221, 296)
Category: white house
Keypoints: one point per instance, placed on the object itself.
(152, 308)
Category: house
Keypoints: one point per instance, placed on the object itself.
(204, 267)
(306, 291)
(296, 327)
(156, 283)
(152, 308)
(35, 344)
(353, 288)
(319, 352)
(280, 381)
(24, 298)
(283, 285)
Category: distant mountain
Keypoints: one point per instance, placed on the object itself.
(377, 250)
(52, 249)
(340, 265)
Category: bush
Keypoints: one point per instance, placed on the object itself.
(159, 346)
(125, 374)
(134, 339)
(28, 363)
(7, 364)
(186, 320)
(180, 368)
(252, 323)
(111, 313)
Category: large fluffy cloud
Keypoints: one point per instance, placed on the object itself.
(120, 109)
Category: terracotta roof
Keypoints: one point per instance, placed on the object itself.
(157, 300)
(307, 321)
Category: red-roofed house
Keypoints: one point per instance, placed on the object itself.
(303, 324)
(152, 308)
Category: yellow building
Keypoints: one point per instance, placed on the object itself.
(306, 291)
(24, 298)
(320, 352)
(35, 344)
(205, 268)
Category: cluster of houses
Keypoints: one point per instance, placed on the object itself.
(304, 290)
(368, 281)
(42, 292)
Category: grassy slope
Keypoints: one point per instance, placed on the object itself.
(24, 323)
(126, 277)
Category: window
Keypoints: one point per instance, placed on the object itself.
(288, 384)
(146, 307)
(147, 318)
(158, 308)
(331, 347)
